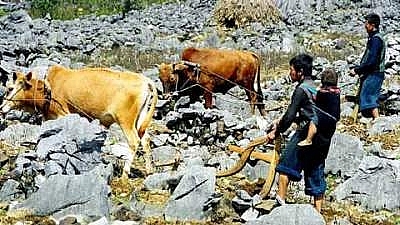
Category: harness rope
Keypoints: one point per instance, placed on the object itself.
(198, 71)
(229, 81)
(10, 99)
(214, 94)
(47, 98)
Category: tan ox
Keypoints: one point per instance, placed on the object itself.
(205, 71)
(126, 98)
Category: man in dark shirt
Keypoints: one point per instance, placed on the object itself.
(371, 68)
(295, 159)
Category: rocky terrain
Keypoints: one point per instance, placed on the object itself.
(66, 171)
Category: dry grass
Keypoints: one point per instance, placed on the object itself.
(389, 140)
(334, 211)
(121, 188)
(236, 13)
(161, 221)
(352, 45)
(276, 64)
(25, 217)
(126, 57)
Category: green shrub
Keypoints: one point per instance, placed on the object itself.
(236, 13)
(140, 4)
(70, 9)
(2, 12)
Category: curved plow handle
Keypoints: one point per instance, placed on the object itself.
(273, 160)
(245, 155)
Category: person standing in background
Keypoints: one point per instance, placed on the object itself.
(372, 67)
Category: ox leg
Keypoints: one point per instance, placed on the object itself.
(208, 99)
(253, 100)
(194, 97)
(133, 142)
(145, 141)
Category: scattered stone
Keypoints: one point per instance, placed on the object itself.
(265, 206)
(250, 214)
(290, 214)
(69, 220)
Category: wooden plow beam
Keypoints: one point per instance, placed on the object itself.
(272, 158)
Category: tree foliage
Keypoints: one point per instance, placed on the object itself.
(70, 9)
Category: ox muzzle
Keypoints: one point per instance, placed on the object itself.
(8, 102)
(170, 95)
(169, 90)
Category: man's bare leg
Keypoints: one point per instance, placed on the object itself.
(283, 184)
(375, 113)
(318, 200)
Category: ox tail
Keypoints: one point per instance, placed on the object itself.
(149, 115)
(260, 97)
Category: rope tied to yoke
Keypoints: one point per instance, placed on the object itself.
(47, 98)
(197, 71)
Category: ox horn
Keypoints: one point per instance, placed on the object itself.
(47, 83)
(4, 70)
(14, 75)
(180, 66)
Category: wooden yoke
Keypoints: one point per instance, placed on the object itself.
(272, 158)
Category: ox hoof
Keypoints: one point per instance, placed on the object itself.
(125, 175)
(138, 171)
(149, 170)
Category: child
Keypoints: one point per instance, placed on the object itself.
(327, 103)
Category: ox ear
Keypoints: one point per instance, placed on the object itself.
(28, 79)
(28, 76)
(14, 76)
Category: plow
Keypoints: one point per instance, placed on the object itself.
(245, 153)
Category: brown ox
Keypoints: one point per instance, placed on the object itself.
(126, 98)
(206, 71)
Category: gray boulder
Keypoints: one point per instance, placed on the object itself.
(10, 191)
(384, 124)
(162, 181)
(233, 102)
(291, 214)
(72, 143)
(86, 194)
(376, 185)
(345, 155)
(20, 134)
(193, 191)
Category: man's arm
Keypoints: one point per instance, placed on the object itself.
(298, 98)
(373, 56)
